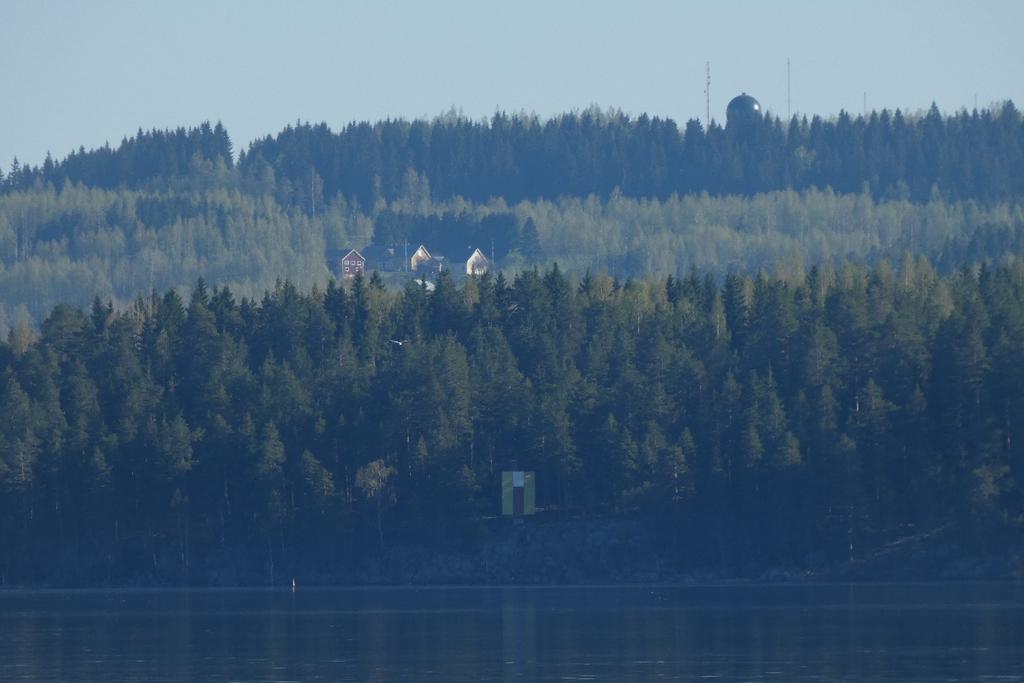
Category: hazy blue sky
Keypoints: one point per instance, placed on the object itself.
(82, 73)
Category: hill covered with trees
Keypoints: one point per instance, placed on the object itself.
(633, 197)
(761, 420)
(975, 155)
(700, 328)
(72, 244)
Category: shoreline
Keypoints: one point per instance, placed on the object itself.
(614, 550)
(724, 583)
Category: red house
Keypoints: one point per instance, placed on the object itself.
(352, 264)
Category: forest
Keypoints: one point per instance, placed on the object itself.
(977, 155)
(73, 244)
(590, 190)
(762, 419)
(774, 341)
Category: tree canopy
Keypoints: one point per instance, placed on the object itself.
(762, 419)
(976, 155)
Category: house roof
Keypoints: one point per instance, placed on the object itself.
(353, 251)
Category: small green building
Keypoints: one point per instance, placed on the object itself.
(518, 493)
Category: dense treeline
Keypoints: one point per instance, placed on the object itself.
(71, 245)
(146, 159)
(764, 420)
(968, 156)
(975, 155)
(75, 243)
(591, 190)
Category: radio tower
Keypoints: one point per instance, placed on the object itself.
(789, 108)
(707, 95)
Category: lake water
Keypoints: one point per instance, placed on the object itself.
(730, 633)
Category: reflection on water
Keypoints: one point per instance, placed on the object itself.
(756, 633)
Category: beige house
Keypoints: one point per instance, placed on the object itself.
(477, 263)
(420, 258)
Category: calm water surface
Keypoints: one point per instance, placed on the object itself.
(749, 633)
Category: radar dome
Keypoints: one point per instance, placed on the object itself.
(741, 109)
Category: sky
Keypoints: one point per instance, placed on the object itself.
(88, 72)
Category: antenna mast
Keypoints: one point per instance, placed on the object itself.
(789, 108)
(707, 95)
